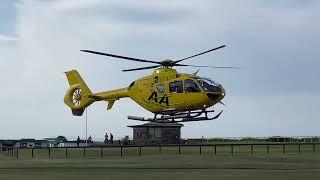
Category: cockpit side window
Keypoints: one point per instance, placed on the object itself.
(190, 86)
(175, 87)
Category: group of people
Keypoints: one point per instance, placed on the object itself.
(106, 139)
(89, 140)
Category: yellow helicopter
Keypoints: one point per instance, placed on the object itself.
(171, 96)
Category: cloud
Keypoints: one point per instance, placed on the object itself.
(4, 38)
(272, 115)
(276, 43)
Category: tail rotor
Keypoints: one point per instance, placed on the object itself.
(76, 97)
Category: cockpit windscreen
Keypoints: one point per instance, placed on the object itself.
(208, 85)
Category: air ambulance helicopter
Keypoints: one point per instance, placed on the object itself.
(169, 95)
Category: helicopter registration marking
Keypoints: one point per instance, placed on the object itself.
(163, 99)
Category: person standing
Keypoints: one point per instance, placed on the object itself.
(90, 139)
(78, 141)
(111, 138)
(106, 138)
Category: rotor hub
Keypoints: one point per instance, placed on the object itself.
(77, 97)
(167, 63)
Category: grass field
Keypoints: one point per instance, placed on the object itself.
(165, 165)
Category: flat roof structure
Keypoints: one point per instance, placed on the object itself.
(156, 133)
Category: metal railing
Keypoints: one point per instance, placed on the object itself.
(137, 150)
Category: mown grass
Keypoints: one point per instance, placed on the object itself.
(164, 166)
(164, 162)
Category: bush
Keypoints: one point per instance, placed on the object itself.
(125, 140)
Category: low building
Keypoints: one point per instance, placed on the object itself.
(54, 142)
(75, 144)
(9, 143)
(24, 143)
(157, 133)
(31, 143)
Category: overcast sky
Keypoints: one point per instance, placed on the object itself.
(277, 91)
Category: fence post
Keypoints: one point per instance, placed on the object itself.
(16, 152)
(314, 147)
(101, 151)
(32, 153)
(49, 152)
(120, 151)
(232, 149)
(200, 149)
(251, 149)
(140, 150)
(179, 149)
(299, 148)
(284, 149)
(215, 149)
(66, 152)
(268, 149)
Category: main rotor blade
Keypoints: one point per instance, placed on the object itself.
(142, 68)
(121, 57)
(218, 67)
(200, 53)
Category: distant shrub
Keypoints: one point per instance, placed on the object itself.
(125, 140)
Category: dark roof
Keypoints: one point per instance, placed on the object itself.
(155, 124)
(28, 139)
(21, 141)
(57, 140)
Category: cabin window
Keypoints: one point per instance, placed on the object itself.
(160, 88)
(176, 87)
(190, 86)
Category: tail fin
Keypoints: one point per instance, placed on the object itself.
(77, 96)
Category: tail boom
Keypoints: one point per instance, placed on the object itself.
(79, 96)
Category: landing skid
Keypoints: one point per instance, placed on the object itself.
(188, 116)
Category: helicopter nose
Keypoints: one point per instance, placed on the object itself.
(218, 94)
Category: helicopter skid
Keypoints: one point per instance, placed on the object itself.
(179, 117)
